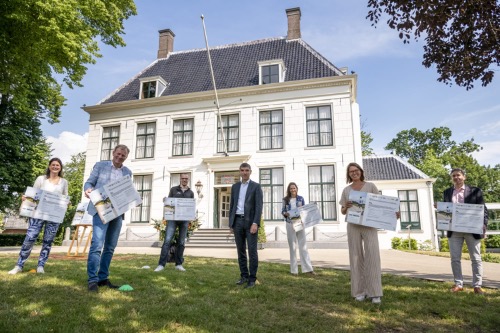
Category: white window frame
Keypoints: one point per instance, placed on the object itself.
(161, 85)
(281, 69)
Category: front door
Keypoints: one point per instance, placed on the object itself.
(224, 199)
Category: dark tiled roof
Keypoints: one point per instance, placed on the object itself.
(390, 168)
(234, 65)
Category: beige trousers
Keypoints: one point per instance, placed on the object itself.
(364, 259)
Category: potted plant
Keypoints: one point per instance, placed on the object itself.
(161, 227)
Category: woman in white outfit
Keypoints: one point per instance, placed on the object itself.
(52, 181)
(291, 202)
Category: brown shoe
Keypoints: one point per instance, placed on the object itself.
(456, 289)
(478, 290)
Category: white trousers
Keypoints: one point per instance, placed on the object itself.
(455, 242)
(299, 238)
(364, 260)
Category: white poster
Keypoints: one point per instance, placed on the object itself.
(179, 209)
(115, 198)
(44, 205)
(373, 210)
(460, 217)
(82, 217)
(305, 216)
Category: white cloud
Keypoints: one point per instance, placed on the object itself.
(68, 144)
(490, 154)
(490, 129)
(347, 42)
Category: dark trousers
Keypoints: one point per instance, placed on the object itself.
(169, 237)
(242, 237)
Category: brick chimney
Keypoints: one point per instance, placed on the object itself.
(166, 44)
(293, 15)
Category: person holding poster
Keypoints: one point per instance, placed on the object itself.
(245, 211)
(461, 193)
(364, 253)
(180, 191)
(52, 181)
(290, 204)
(104, 235)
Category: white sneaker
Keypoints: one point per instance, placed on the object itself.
(15, 270)
(180, 268)
(360, 298)
(159, 268)
(376, 300)
(40, 270)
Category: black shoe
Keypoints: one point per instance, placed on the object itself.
(242, 281)
(107, 283)
(250, 284)
(93, 287)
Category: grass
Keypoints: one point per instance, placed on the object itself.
(206, 299)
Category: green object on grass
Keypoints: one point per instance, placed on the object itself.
(126, 287)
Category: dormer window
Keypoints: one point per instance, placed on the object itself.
(152, 87)
(271, 71)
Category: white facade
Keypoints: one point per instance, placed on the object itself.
(292, 98)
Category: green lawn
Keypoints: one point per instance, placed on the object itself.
(206, 299)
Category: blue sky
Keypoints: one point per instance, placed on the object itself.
(395, 91)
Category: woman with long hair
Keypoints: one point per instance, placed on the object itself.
(290, 202)
(364, 253)
(52, 181)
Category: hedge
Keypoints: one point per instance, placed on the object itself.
(12, 239)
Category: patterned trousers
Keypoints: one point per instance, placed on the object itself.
(34, 229)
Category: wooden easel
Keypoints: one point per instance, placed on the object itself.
(78, 237)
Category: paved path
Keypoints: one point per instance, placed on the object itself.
(393, 262)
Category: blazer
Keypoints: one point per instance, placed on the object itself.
(472, 195)
(100, 176)
(253, 203)
(287, 206)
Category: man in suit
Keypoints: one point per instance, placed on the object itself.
(245, 210)
(105, 235)
(461, 193)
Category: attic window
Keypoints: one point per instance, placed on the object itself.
(271, 71)
(152, 87)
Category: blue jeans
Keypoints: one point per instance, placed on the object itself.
(169, 235)
(35, 227)
(102, 247)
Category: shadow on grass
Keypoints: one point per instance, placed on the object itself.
(206, 299)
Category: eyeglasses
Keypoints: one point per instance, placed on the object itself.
(184, 178)
(354, 171)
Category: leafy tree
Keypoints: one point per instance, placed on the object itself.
(24, 155)
(461, 37)
(433, 166)
(435, 154)
(73, 173)
(414, 144)
(40, 42)
(366, 139)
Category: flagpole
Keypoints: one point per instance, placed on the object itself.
(224, 146)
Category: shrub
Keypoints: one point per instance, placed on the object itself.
(444, 246)
(404, 244)
(426, 246)
(493, 241)
(396, 243)
(261, 237)
(11, 239)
